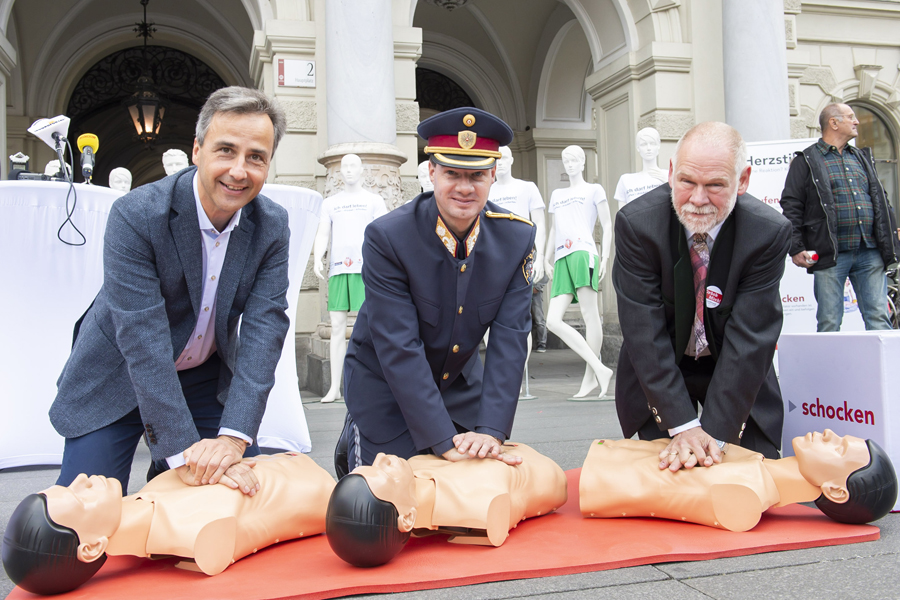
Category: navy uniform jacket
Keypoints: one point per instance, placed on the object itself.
(412, 362)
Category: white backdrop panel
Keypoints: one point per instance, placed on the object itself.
(47, 285)
(284, 424)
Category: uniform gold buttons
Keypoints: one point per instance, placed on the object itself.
(460, 310)
(455, 349)
(446, 376)
(462, 269)
(657, 419)
(654, 411)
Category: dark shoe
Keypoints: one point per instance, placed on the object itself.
(541, 349)
(341, 465)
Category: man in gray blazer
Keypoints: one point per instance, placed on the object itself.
(697, 271)
(185, 260)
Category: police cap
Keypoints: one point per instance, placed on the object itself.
(465, 138)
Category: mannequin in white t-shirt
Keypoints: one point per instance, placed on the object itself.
(523, 199)
(343, 221)
(635, 185)
(574, 211)
(425, 178)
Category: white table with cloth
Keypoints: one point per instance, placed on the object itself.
(47, 285)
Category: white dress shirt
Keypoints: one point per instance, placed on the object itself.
(202, 342)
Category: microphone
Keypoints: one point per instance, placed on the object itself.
(87, 145)
(51, 131)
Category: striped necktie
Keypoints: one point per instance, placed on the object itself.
(700, 264)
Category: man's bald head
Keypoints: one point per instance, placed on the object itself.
(714, 134)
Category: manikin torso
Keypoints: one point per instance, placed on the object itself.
(622, 478)
(216, 525)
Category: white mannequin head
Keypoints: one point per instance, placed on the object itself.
(51, 169)
(351, 169)
(573, 160)
(174, 160)
(648, 143)
(505, 162)
(120, 179)
(424, 178)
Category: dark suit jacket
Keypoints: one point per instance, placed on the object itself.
(124, 355)
(654, 285)
(412, 362)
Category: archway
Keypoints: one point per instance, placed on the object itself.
(436, 93)
(95, 106)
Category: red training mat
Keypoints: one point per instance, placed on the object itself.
(557, 544)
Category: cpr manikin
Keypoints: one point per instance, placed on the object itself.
(521, 198)
(120, 179)
(211, 525)
(476, 501)
(635, 185)
(343, 220)
(575, 210)
(425, 178)
(174, 160)
(850, 479)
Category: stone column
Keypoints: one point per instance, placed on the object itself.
(361, 105)
(755, 63)
(7, 64)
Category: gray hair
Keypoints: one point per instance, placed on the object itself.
(833, 110)
(242, 101)
(714, 133)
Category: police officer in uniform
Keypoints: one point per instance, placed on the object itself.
(439, 271)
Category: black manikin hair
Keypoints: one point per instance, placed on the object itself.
(873, 491)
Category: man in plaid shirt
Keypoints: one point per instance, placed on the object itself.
(842, 223)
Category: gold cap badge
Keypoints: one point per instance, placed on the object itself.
(468, 120)
(467, 139)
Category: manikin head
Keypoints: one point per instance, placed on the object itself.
(505, 162)
(120, 179)
(648, 143)
(52, 169)
(424, 177)
(707, 174)
(174, 160)
(573, 160)
(857, 480)
(57, 539)
(391, 479)
(351, 169)
(371, 512)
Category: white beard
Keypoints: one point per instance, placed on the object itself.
(701, 219)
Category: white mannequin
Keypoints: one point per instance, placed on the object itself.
(51, 169)
(424, 177)
(588, 349)
(120, 179)
(174, 160)
(520, 197)
(634, 185)
(366, 208)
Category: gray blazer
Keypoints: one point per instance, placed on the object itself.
(654, 285)
(124, 355)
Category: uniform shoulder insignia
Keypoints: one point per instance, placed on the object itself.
(511, 216)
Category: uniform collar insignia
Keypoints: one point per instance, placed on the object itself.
(449, 240)
(446, 237)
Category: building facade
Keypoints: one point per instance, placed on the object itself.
(358, 76)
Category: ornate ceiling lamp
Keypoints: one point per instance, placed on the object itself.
(145, 107)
